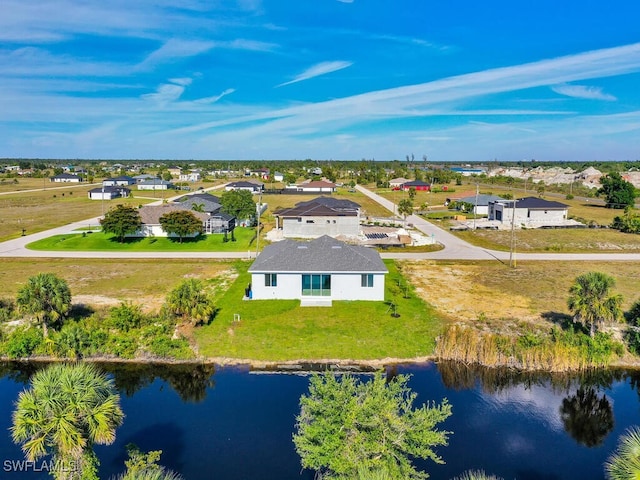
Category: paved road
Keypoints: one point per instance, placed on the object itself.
(454, 247)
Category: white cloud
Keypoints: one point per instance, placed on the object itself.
(168, 92)
(215, 98)
(583, 91)
(317, 70)
(345, 1)
(175, 48)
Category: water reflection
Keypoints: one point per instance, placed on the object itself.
(188, 380)
(587, 417)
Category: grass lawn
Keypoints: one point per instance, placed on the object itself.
(42, 210)
(280, 330)
(99, 241)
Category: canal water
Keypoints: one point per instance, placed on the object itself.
(235, 424)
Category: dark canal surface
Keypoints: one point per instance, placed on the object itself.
(233, 424)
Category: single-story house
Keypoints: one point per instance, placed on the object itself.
(529, 210)
(66, 178)
(174, 171)
(244, 185)
(419, 185)
(320, 216)
(482, 205)
(108, 193)
(155, 184)
(317, 272)
(398, 182)
(278, 177)
(122, 181)
(150, 216)
(190, 177)
(317, 186)
(143, 177)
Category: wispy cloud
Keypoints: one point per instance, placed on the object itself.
(345, 1)
(316, 70)
(175, 48)
(215, 98)
(168, 92)
(407, 101)
(583, 91)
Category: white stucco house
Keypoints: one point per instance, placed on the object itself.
(529, 211)
(108, 193)
(190, 177)
(66, 178)
(480, 202)
(155, 184)
(317, 186)
(320, 216)
(244, 185)
(121, 181)
(150, 216)
(317, 272)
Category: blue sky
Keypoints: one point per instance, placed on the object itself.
(455, 80)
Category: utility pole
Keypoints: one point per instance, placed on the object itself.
(512, 252)
(258, 226)
(475, 208)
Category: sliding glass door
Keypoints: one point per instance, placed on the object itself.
(316, 285)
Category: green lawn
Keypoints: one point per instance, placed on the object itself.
(99, 241)
(280, 330)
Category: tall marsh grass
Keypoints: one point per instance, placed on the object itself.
(558, 351)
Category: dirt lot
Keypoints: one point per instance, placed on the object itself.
(492, 296)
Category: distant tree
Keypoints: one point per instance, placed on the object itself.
(182, 223)
(412, 193)
(66, 410)
(190, 301)
(166, 176)
(238, 203)
(624, 463)
(45, 296)
(627, 223)
(405, 207)
(121, 221)
(617, 191)
(347, 426)
(591, 302)
(290, 178)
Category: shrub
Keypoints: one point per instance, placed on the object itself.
(126, 316)
(7, 310)
(72, 341)
(22, 343)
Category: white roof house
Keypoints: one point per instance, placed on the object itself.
(317, 272)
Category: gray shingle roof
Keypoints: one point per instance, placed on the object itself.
(334, 203)
(324, 254)
(150, 214)
(483, 199)
(536, 203)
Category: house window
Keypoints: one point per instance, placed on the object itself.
(310, 221)
(316, 285)
(366, 280)
(270, 279)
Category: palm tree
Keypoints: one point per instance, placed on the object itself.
(624, 463)
(189, 301)
(66, 410)
(591, 302)
(151, 474)
(45, 296)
